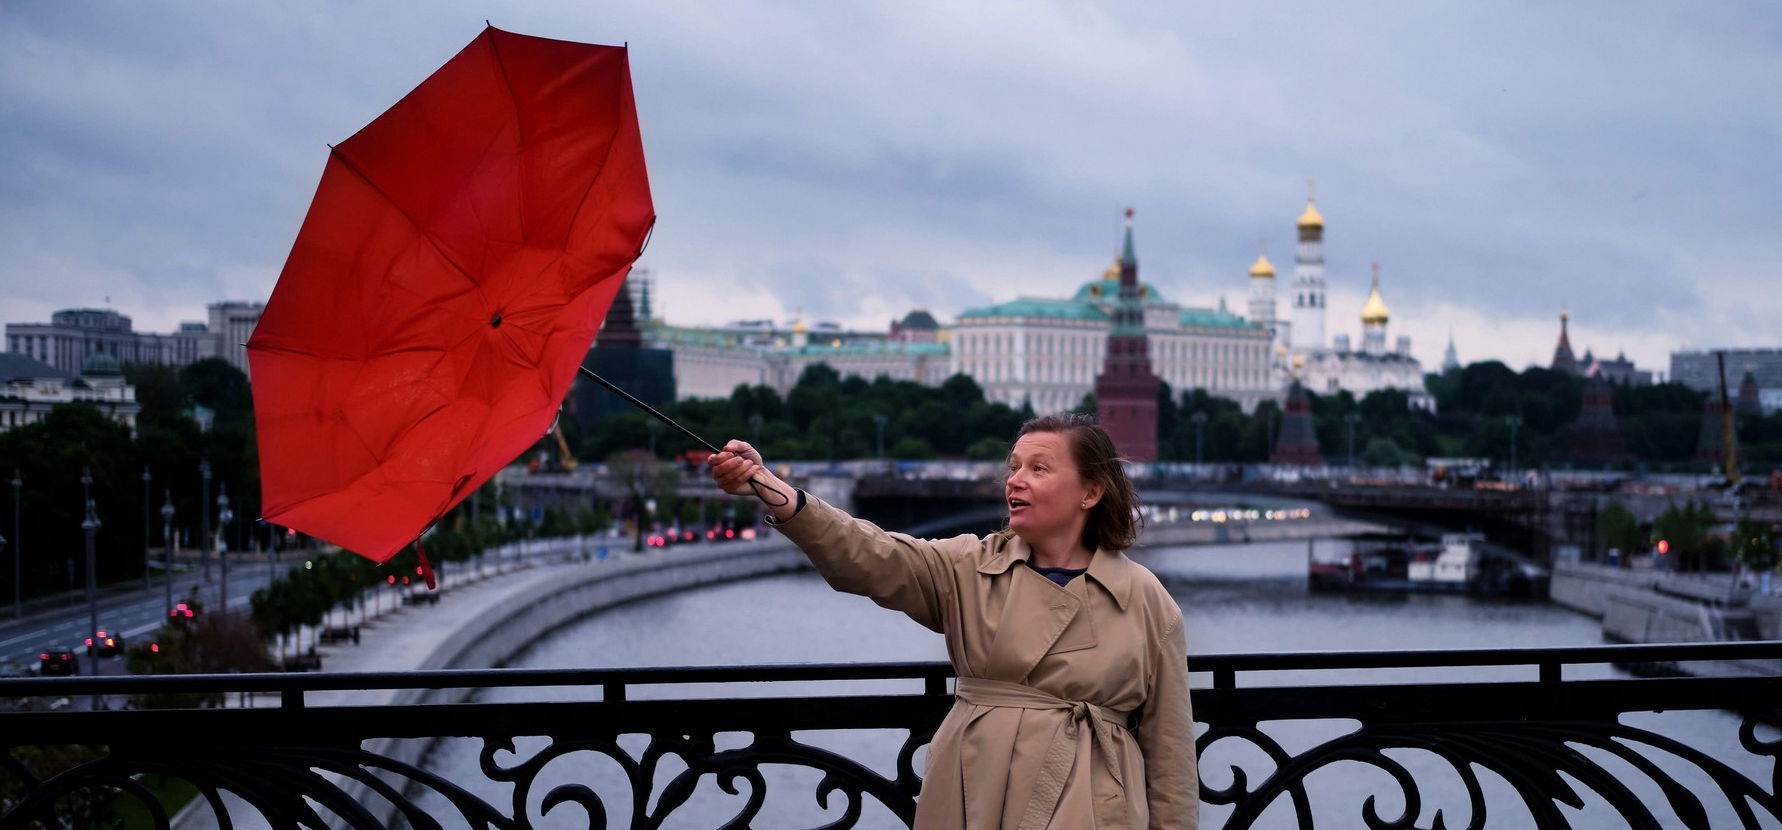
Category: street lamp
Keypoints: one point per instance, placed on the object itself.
(224, 516)
(90, 526)
(1200, 423)
(204, 512)
(1352, 419)
(18, 605)
(755, 430)
(147, 519)
(167, 536)
(878, 420)
(1514, 421)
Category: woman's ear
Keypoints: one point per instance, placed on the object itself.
(1093, 497)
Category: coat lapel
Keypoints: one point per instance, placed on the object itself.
(1034, 614)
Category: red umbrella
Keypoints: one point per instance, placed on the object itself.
(451, 274)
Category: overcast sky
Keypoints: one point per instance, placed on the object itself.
(1501, 161)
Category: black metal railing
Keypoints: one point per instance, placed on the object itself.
(1461, 736)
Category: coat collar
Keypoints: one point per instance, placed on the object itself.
(1109, 568)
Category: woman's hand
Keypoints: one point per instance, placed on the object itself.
(734, 466)
(738, 465)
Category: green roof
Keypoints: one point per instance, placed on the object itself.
(1108, 291)
(1033, 307)
(1211, 318)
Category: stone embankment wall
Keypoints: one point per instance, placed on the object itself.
(1646, 606)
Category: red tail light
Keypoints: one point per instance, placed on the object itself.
(155, 647)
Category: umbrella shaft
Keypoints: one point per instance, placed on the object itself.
(647, 408)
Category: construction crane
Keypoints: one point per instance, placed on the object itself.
(1728, 438)
(565, 459)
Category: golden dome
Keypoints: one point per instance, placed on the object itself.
(1113, 273)
(1262, 268)
(1374, 312)
(1311, 218)
(798, 326)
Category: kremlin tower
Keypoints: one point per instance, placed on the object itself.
(1297, 444)
(1563, 361)
(1308, 283)
(1126, 390)
(1595, 437)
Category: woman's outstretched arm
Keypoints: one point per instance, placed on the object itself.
(896, 571)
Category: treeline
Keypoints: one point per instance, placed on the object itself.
(1687, 533)
(823, 417)
(47, 458)
(1480, 410)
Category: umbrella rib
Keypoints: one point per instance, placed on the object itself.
(519, 124)
(604, 161)
(424, 233)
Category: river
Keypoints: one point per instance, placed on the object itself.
(1237, 598)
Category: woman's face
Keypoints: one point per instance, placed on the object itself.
(1047, 496)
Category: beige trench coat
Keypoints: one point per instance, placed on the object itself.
(1015, 758)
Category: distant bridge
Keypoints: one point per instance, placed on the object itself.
(912, 494)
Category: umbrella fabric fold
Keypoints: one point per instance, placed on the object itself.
(451, 274)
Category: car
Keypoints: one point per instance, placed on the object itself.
(106, 643)
(57, 661)
(181, 614)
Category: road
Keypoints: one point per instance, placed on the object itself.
(134, 613)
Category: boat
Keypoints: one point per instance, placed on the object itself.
(1459, 562)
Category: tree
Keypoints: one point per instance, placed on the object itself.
(1754, 545)
(643, 478)
(987, 449)
(1384, 452)
(212, 643)
(1684, 531)
(1617, 529)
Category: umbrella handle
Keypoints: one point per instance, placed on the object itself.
(761, 490)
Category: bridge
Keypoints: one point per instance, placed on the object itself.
(1535, 521)
(1544, 745)
(1472, 733)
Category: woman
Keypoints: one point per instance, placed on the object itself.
(1072, 708)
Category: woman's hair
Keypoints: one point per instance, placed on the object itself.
(1114, 522)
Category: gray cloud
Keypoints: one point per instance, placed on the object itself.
(1501, 161)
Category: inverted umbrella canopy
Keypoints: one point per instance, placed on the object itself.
(453, 270)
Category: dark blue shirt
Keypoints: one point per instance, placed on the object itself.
(1058, 575)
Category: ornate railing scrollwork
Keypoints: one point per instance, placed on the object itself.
(1558, 745)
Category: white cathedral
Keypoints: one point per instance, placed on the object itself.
(1301, 352)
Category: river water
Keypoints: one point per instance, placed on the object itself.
(1237, 598)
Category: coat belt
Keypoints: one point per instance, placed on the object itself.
(1048, 786)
